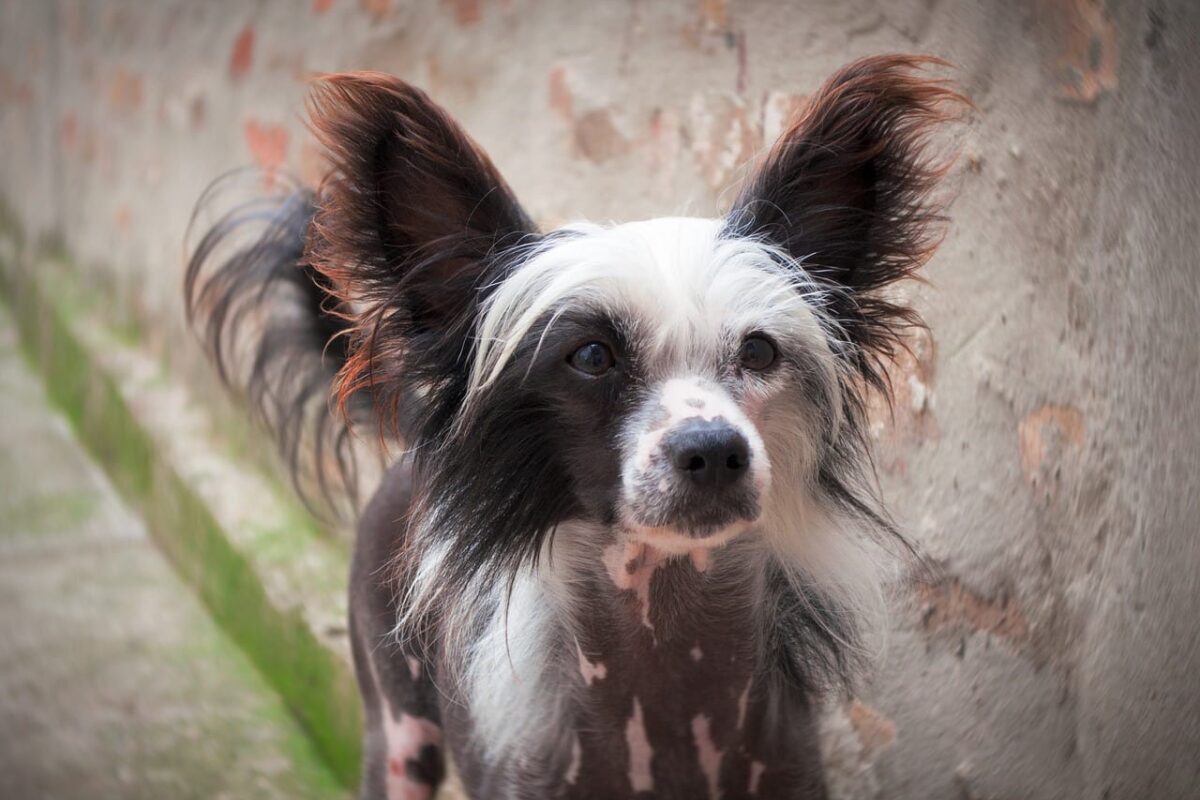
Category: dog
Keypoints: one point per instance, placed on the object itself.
(634, 537)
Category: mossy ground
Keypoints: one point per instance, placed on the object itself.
(114, 681)
(268, 578)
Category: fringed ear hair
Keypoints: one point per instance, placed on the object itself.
(846, 192)
(412, 224)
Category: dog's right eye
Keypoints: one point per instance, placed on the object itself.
(594, 358)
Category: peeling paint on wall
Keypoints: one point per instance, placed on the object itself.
(1048, 430)
(241, 55)
(950, 606)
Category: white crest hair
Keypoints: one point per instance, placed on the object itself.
(677, 271)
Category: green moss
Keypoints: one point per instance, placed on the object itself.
(45, 513)
(10, 226)
(51, 246)
(315, 683)
(128, 330)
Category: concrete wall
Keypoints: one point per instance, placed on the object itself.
(1046, 449)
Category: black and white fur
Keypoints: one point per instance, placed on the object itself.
(634, 537)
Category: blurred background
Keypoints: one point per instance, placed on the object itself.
(170, 621)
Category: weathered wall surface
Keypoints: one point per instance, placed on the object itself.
(1046, 452)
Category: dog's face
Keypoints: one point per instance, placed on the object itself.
(678, 379)
(677, 364)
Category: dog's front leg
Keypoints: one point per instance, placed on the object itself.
(402, 744)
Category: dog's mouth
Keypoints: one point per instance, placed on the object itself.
(684, 521)
(658, 509)
(675, 540)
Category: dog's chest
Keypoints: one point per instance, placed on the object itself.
(666, 675)
(656, 688)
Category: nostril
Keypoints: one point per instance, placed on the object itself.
(696, 464)
(735, 462)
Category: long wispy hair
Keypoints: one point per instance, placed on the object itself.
(272, 328)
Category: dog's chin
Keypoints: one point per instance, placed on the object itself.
(675, 540)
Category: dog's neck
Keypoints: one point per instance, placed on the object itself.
(665, 651)
(663, 681)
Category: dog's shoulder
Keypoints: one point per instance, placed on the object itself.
(382, 527)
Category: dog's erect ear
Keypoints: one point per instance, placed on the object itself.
(846, 191)
(412, 223)
(411, 197)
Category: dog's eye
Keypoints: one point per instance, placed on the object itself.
(594, 358)
(756, 353)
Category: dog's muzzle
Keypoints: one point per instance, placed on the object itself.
(698, 470)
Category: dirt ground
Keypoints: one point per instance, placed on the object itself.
(114, 681)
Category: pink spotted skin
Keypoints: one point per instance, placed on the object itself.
(666, 702)
(678, 712)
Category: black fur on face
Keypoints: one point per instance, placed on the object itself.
(541, 448)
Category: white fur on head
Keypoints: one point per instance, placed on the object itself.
(691, 287)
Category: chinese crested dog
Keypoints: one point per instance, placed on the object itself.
(635, 533)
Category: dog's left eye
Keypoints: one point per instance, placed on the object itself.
(594, 358)
(756, 353)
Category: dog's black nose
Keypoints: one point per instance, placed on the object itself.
(709, 453)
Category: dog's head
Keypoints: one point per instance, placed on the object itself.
(674, 361)
(680, 379)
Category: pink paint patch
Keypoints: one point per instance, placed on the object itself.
(124, 219)
(241, 55)
(700, 558)
(321, 6)
(267, 144)
(561, 100)
(663, 142)
(707, 752)
(125, 92)
(466, 12)
(1045, 430)
(377, 9)
(742, 62)
(640, 752)
(69, 132)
